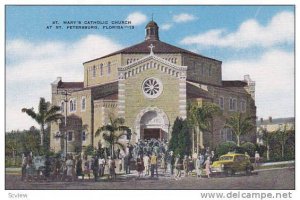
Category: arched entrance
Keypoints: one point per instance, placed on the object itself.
(152, 123)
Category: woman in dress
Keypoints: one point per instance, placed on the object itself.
(86, 167)
(178, 166)
(140, 166)
(199, 167)
(163, 163)
(146, 161)
(70, 168)
(207, 167)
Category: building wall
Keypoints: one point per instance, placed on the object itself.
(98, 79)
(135, 100)
(203, 70)
(240, 94)
(77, 121)
(273, 127)
(103, 110)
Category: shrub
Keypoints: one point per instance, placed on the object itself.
(225, 147)
(250, 148)
(240, 149)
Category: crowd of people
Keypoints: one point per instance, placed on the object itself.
(147, 157)
(73, 167)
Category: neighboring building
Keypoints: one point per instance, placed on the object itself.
(272, 125)
(149, 85)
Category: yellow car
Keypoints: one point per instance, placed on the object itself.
(231, 163)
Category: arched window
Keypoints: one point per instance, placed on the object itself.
(62, 106)
(72, 105)
(83, 103)
(83, 136)
(70, 136)
(101, 69)
(94, 71)
(108, 68)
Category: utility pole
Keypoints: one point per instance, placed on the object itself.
(65, 93)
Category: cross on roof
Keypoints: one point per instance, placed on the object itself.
(151, 48)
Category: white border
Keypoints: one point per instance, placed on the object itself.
(124, 195)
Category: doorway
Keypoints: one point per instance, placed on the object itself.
(152, 133)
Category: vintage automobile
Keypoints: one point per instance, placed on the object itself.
(39, 164)
(231, 163)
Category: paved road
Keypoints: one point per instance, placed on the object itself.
(270, 179)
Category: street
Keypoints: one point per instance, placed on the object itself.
(267, 179)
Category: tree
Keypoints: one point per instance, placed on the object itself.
(180, 142)
(18, 142)
(113, 132)
(267, 137)
(202, 118)
(282, 135)
(239, 125)
(46, 114)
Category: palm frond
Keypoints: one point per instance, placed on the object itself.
(43, 106)
(119, 144)
(108, 128)
(123, 128)
(53, 117)
(30, 112)
(119, 121)
(53, 110)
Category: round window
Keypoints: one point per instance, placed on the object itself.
(152, 87)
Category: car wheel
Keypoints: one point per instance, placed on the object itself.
(248, 171)
(229, 172)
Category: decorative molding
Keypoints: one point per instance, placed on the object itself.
(151, 62)
(164, 125)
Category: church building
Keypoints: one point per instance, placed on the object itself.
(148, 84)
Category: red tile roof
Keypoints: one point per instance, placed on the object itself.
(70, 84)
(193, 91)
(111, 96)
(159, 47)
(234, 83)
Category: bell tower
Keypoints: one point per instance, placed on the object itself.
(152, 31)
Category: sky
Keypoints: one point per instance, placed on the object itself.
(254, 40)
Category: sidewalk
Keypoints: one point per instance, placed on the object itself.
(278, 163)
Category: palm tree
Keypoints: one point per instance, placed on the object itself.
(239, 125)
(46, 114)
(113, 132)
(202, 118)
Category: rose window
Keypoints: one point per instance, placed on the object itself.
(152, 87)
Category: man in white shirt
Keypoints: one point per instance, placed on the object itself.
(101, 163)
